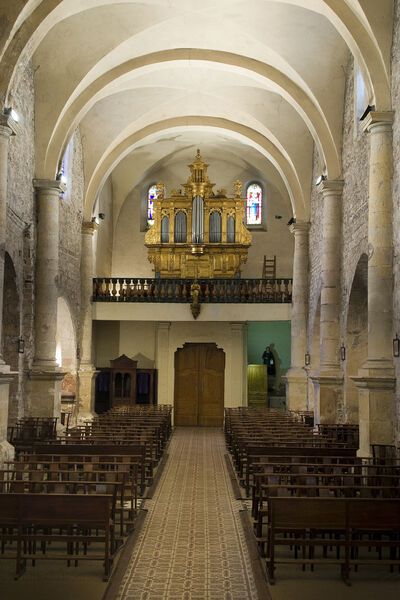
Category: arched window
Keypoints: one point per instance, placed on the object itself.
(65, 169)
(215, 227)
(151, 196)
(254, 204)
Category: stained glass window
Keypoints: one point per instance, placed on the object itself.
(254, 204)
(151, 196)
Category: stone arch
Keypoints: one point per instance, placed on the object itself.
(11, 335)
(66, 356)
(356, 340)
(259, 141)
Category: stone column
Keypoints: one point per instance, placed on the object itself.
(162, 363)
(236, 375)
(45, 377)
(87, 371)
(296, 377)
(328, 382)
(6, 130)
(376, 379)
(8, 127)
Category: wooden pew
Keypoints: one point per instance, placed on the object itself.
(42, 522)
(309, 522)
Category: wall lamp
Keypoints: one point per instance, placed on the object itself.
(291, 221)
(396, 346)
(12, 113)
(307, 359)
(102, 216)
(342, 352)
(20, 344)
(320, 179)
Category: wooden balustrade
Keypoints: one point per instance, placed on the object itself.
(133, 289)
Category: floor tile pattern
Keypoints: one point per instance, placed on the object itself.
(192, 545)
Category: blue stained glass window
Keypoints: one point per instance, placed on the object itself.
(254, 204)
(151, 196)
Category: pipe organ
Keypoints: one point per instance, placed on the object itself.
(198, 233)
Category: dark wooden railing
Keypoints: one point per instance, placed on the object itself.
(132, 289)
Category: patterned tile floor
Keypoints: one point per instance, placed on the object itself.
(192, 545)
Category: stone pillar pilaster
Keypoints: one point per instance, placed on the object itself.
(87, 371)
(45, 376)
(296, 377)
(6, 131)
(236, 383)
(376, 379)
(8, 127)
(328, 382)
(162, 363)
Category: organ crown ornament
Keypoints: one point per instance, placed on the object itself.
(197, 233)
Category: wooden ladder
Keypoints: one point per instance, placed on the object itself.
(269, 268)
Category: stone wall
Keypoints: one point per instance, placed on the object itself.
(71, 209)
(396, 194)
(315, 246)
(21, 231)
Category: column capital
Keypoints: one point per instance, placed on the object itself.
(89, 227)
(52, 186)
(299, 227)
(8, 126)
(331, 187)
(166, 325)
(377, 120)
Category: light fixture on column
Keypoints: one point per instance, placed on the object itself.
(320, 179)
(396, 346)
(342, 352)
(102, 216)
(21, 345)
(95, 220)
(307, 359)
(12, 113)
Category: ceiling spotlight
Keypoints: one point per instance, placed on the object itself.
(320, 179)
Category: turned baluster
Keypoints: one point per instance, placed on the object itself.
(162, 291)
(112, 288)
(207, 292)
(214, 290)
(256, 290)
(127, 289)
(96, 289)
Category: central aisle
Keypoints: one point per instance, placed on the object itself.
(192, 545)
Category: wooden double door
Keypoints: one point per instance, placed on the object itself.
(199, 385)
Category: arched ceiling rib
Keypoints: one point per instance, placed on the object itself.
(270, 72)
(288, 174)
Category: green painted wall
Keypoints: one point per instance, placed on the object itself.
(271, 333)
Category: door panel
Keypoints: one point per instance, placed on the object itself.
(199, 385)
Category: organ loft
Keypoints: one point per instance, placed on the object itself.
(198, 233)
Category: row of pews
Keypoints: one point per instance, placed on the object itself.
(76, 496)
(313, 501)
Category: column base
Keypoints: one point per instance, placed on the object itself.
(376, 395)
(44, 393)
(86, 394)
(296, 389)
(328, 397)
(6, 450)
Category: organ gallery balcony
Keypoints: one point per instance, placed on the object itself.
(132, 289)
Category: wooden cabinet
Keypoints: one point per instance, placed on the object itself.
(123, 384)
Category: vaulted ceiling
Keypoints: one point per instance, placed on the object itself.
(264, 78)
